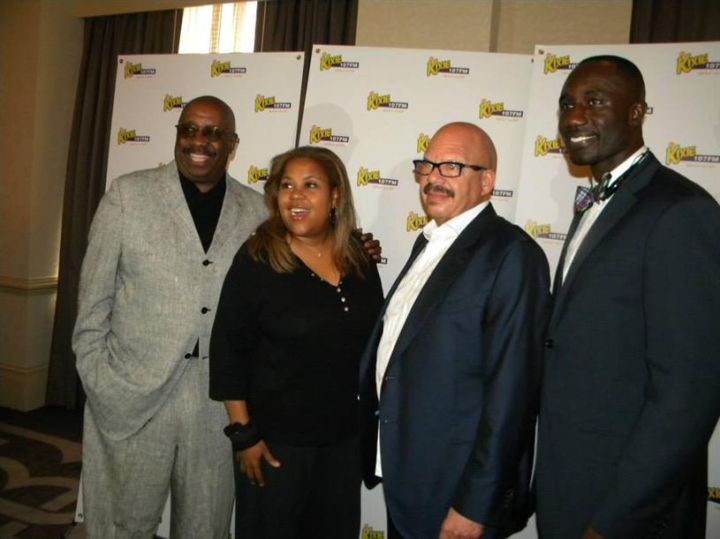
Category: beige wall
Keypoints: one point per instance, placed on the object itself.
(512, 26)
(40, 50)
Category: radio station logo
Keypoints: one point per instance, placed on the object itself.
(554, 63)
(368, 177)
(130, 135)
(256, 174)
(687, 63)
(714, 494)
(543, 231)
(377, 101)
(676, 154)
(369, 533)
(423, 141)
(325, 134)
(335, 61)
(436, 66)
(415, 221)
(502, 193)
(220, 69)
(544, 146)
(171, 102)
(263, 103)
(488, 109)
(137, 70)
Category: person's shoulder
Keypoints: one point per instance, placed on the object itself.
(144, 178)
(668, 182)
(244, 194)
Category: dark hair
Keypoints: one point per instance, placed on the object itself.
(269, 242)
(625, 67)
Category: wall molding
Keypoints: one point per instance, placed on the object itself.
(23, 388)
(28, 286)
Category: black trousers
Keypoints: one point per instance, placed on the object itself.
(315, 494)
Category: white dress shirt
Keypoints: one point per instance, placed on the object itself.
(440, 238)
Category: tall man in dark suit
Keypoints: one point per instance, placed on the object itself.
(631, 389)
(452, 368)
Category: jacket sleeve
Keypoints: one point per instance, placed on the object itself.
(682, 402)
(96, 294)
(513, 327)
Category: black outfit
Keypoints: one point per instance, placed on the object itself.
(289, 345)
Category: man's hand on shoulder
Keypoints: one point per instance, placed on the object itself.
(457, 526)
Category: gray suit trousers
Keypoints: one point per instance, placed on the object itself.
(181, 451)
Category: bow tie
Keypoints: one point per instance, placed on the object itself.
(587, 196)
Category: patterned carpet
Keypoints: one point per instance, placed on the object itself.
(39, 470)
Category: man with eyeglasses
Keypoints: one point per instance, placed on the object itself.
(449, 381)
(160, 245)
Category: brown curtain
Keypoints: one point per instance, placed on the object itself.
(294, 25)
(672, 21)
(105, 38)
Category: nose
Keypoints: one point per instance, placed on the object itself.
(574, 117)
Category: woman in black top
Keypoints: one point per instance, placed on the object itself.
(296, 309)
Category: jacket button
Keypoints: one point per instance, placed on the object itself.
(549, 344)
(188, 355)
(204, 310)
(206, 262)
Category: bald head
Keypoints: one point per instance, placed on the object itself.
(471, 150)
(471, 137)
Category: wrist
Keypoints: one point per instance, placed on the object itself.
(242, 436)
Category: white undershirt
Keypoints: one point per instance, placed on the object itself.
(440, 238)
(593, 212)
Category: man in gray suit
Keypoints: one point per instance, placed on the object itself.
(160, 245)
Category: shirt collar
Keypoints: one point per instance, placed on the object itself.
(625, 165)
(453, 227)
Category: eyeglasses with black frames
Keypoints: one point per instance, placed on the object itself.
(211, 133)
(447, 169)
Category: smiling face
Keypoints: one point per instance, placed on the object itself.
(600, 118)
(305, 198)
(203, 161)
(444, 198)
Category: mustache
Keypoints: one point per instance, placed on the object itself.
(435, 188)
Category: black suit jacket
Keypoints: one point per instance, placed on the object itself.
(459, 398)
(631, 391)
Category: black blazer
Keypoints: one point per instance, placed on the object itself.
(459, 398)
(631, 391)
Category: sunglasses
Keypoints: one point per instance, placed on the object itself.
(211, 133)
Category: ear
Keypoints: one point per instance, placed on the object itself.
(335, 195)
(637, 113)
(488, 183)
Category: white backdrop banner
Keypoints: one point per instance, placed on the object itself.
(377, 109)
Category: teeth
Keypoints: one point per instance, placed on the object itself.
(577, 140)
(199, 157)
(298, 211)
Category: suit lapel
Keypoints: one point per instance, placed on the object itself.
(172, 196)
(445, 273)
(618, 207)
(230, 215)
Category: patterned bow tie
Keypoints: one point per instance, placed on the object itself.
(587, 196)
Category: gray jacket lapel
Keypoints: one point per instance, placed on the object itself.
(173, 199)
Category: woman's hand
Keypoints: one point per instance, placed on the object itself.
(250, 460)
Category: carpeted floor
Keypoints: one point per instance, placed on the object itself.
(39, 471)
